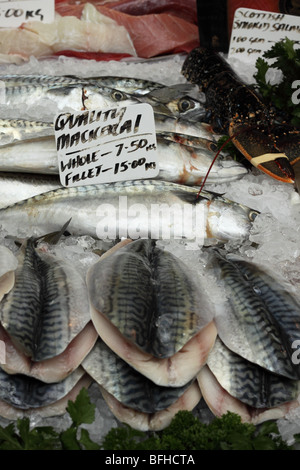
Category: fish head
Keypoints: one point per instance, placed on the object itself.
(228, 220)
(187, 107)
(101, 96)
(227, 169)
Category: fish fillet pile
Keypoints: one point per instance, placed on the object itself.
(91, 30)
(47, 331)
(149, 339)
(253, 369)
(155, 330)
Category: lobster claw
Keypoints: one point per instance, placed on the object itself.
(260, 147)
(288, 140)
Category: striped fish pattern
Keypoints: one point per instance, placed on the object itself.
(284, 307)
(170, 100)
(259, 321)
(48, 305)
(251, 384)
(149, 296)
(26, 392)
(127, 385)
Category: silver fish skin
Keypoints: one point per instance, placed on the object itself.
(108, 211)
(181, 162)
(126, 384)
(35, 156)
(179, 125)
(16, 130)
(75, 95)
(130, 85)
(48, 305)
(178, 163)
(248, 382)
(67, 97)
(248, 322)
(13, 80)
(172, 100)
(16, 187)
(177, 102)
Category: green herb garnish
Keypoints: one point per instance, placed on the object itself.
(286, 59)
(186, 432)
(19, 436)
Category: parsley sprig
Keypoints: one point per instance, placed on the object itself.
(20, 436)
(185, 432)
(286, 58)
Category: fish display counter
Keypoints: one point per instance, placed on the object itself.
(175, 292)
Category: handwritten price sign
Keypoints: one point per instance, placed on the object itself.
(103, 146)
(14, 13)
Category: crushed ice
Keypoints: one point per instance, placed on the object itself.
(274, 241)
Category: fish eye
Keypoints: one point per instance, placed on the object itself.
(252, 215)
(118, 95)
(213, 147)
(185, 104)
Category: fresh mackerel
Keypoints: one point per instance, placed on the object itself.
(29, 147)
(132, 209)
(172, 100)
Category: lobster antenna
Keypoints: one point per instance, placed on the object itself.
(214, 159)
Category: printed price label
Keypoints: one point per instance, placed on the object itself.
(103, 146)
(255, 31)
(14, 13)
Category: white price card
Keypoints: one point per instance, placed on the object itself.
(15, 13)
(255, 31)
(103, 146)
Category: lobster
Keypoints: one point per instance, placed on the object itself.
(237, 110)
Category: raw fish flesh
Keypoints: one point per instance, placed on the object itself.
(127, 385)
(259, 319)
(47, 306)
(50, 370)
(134, 288)
(152, 34)
(183, 361)
(97, 34)
(25, 392)
(155, 421)
(54, 409)
(220, 401)
(250, 383)
(176, 370)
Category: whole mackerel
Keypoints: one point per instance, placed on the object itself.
(132, 209)
(172, 100)
(181, 159)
